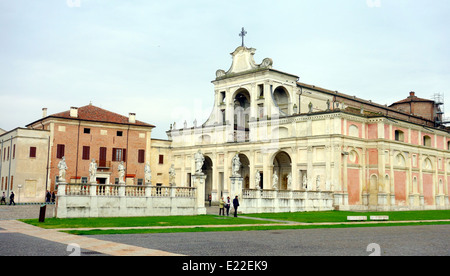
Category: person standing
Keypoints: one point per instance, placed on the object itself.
(48, 196)
(235, 205)
(11, 198)
(3, 198)
(221, 207)
(227, 205)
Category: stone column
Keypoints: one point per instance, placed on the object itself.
(61, 201)
(199, 184)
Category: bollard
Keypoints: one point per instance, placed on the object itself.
(42, 213)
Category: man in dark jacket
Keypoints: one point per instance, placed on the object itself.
(11, 199)
(235, 205)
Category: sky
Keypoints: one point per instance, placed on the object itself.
(157, 58)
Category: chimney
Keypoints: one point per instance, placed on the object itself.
(412, 94)
(132, 118)
(74, 112)
(44, 112)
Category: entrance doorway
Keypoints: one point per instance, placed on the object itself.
(207, 169)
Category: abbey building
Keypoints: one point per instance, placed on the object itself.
(291, 136)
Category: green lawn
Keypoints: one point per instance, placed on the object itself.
(203, 220)
(55, 223)
(341, 216)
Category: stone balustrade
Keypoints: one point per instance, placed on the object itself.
(273, 201)
(112, 200)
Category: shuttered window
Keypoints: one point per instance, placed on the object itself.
(86, 152)
(60, 151)
(141, 156)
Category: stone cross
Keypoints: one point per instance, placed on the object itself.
(242, 34)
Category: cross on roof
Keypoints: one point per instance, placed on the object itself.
(242, 34)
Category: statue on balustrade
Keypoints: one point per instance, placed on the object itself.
(236, 166)
(93, 171)
(172, 175)
(121, 169)
(62, 166)
(148, 173)
(258, 180)
(289, 181)
(199, 160)
(275, 180)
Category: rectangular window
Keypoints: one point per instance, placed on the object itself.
(60, 151)
(141, 156)
(86, 152)
(84, 180)
(161, 159)
(11, 185)
(8, 154)
(87, 130)
(119, 155)
(140, 181)
(119, 133)
(32, 152)
(14, 152)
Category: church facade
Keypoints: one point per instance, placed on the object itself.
(292, 136)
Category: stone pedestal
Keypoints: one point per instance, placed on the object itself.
(148, 189)
(199, 184)
(61, 201)
(94, 201)
(236, 187)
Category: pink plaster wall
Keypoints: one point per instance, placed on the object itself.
(372, 131)
(428, 188)
(400, 187)
(353, 186)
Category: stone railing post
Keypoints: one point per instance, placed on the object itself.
(62, 188)
(93, 189)
(122, 188)
(148, 189)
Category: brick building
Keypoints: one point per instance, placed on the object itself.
(89, 132)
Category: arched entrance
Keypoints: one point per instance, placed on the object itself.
(282, 168)
(207, 169)
(245, 170)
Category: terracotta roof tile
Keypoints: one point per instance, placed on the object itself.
(94, 113)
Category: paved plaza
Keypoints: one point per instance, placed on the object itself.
(20, 239)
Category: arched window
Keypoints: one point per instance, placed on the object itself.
(281, 98)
